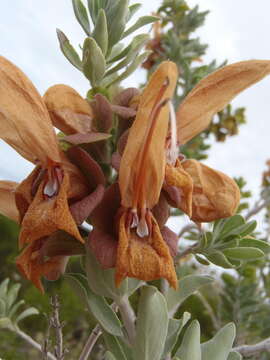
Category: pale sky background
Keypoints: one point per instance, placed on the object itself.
(235, 30)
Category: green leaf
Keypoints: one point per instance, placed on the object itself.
(81, 15)
(234, 356)
(223, 227)
(28, 312)
(134, 48)
(116, 18)
(15, 307)
(254, 243)
(142, 21)
(129, 69)
(94, 64)
(190, 348)
(5, 323)
(151, 326)
(100, 33)
(97, 305)
(201, 260)
(219, 347)
(102, 282)
(186, 287)
(2, 308)
(219, 259)
(132, 10)
(109, 356)
(243, 253)
(174, 329)
(68, 50)
(12, 295)
(3, 288)
(113, 345)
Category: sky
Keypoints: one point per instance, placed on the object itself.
(235, 30)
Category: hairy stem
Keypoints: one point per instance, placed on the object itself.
(33, 343)
(128, 317)
(88, 347)
(249, 350)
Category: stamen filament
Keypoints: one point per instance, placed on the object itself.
(173, 149)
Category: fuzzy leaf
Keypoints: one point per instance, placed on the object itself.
(243, 253)
(152, 325)
(68, 50)
(114, 346)
(93, 61)
(81, 15)
(190, 348)
(186, 287)
(100, 33)
(219, 347)
(26, 313)
(109, 356)
(142, 21)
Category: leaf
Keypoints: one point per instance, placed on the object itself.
(81, 15)
(5, 323)
(109, 356)
(132, 10)
(100, 33)
(219, 259)
(15, 307)
(68, 50)
(93, 61)
(2, 308)
(244, 253)
(201, 260)
(224, 226)
(28, 312)
(102, 281)
(219, 347)
(233, 355)
(214, 92)
(113, 345)
(190, 348)
(129, 69)
(174, 329)
(142, 21)
(136, 45)
(12, 295)
(3, 288)
(254, 243)
(186, 287)
(117, 21)
(97, 305)
(151, 326)
(243, 230)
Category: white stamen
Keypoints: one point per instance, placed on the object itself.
(173, 149)
(51, 188)
(142, 228)
(135, 219)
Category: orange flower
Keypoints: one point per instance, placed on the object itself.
(202, 193)
(142, 252)
(43, 198)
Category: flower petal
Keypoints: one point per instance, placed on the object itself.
(33, 266)
(44, 216)
(24, 120)
(215, 195)
(214, 92)
(69, 112)
(79, 138)
(143, 161)
(145, 258)
(7, 200)
(104, 247)
(82, 209)
(103, 113)
(177, 177)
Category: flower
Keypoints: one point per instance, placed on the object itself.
(202, 193)
(43, 199)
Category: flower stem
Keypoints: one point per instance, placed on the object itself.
(33, 343)
(95, 334)
(128, 317)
